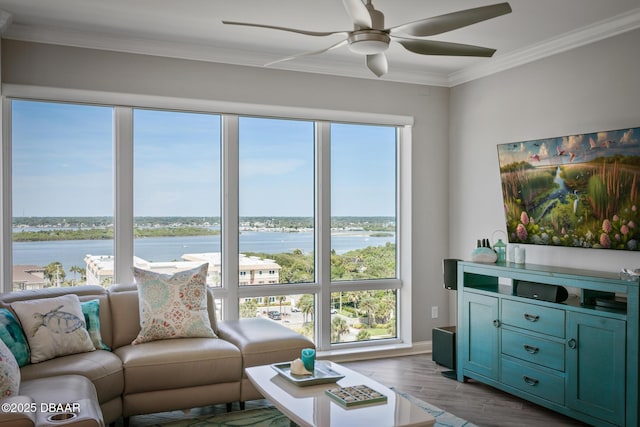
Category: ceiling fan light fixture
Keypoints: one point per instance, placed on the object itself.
(368, 42)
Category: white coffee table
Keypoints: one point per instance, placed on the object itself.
(310, 406)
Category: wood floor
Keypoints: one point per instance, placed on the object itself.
(480, 404)
(421, 377)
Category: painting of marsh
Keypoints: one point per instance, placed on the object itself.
(577, 191)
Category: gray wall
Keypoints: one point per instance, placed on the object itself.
(595, 87)
(68, 67)
(591, 88)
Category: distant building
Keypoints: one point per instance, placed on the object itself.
(252, 270)
(28, 277)
(99, 269)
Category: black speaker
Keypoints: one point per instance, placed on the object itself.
(450, 273)
(541, 291)
(443, 341)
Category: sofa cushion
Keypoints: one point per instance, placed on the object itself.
(12, 335)
(91, 311)
(179, 363)
(53, 326)
(9, 372)
(172, 306)
(103, 368)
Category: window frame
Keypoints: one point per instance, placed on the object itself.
(124, 104)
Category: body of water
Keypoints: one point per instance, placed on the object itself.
(72, 252)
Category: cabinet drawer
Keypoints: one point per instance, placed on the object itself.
(533, 349)
(533, 381)
(546, 320)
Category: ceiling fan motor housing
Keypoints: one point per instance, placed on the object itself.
(368, 42)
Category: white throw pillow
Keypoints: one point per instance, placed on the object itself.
(53, 326)
(9, 372)
(173, 305)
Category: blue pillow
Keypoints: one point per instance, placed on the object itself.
(12, 335)
(91, 311)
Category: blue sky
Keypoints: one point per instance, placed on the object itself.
(63, 164)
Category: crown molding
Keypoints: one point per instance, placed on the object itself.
(590, 34)
(208, 53)
(201, 52)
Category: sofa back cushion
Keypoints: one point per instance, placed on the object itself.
(126, 317)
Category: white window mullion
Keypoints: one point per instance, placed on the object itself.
(403, 231)
(123, 194)
(323, 234)
(230, 191)
(6, 260)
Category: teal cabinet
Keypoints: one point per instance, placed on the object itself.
(573, 357)
(481, 335)
(596, 366)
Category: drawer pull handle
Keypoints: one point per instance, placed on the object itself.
(496, 323)
(531, 349)
(530, 381)
(531, 317)
(572, 343)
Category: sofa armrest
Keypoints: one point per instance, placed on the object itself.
(18, 411)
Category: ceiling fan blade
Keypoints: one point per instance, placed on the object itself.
(377, 63)
(451, 21)
(315, 52)
(432, 47)
(291, 30)
(358, 13)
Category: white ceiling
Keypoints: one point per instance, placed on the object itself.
(192, 29)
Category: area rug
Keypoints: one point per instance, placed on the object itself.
(271, 417)
(443, 418)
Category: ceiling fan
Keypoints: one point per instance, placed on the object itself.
(369, 36)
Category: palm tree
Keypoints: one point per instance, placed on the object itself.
(75, 270)
(339, 327)
(368, 305)
(306, 306)
(281, 299)
(54, 273)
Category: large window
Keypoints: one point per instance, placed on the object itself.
(298, 219)
(363, 230)
(276, 201)
(177, 191)
(62, 192)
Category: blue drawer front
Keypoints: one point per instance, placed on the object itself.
(533, 349)
(545, 320)
(533, 381)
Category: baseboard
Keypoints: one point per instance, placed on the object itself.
(376, 352)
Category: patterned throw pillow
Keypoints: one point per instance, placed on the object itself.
(173, 306)
(53, 326)
(9, 372)
(11, 334)
(91, 311)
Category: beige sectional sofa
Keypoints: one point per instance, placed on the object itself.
(151, 377)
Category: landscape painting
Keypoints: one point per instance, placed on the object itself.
(573, 191)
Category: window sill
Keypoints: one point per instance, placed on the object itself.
(375, 352)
